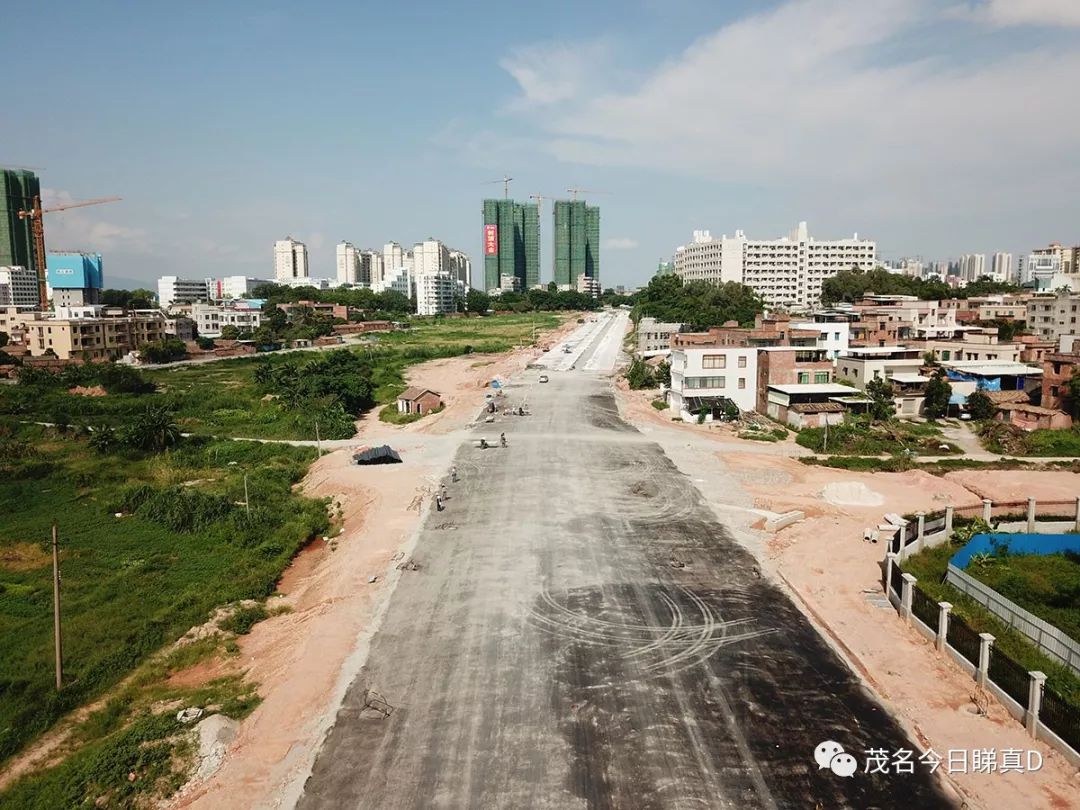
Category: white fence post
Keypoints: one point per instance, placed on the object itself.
(1031, 718)
(987, 504)
(902, 534)
(905, 596)
(949, 517)
(921, 532)
(985, 642)
(1031, 516)
(942, 625)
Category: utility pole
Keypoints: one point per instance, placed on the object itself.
(318, 441)
(247, 500)
(56, 610)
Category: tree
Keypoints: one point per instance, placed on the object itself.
(882, 405)
(3, 339)
(979, 405)
(663, 373)
(103, 439)
(1072, 395)
(164, 351)
(476, 301)
(938, 394)
(152, 430)
(640, 375)
(229, 332)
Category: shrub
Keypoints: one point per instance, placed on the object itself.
(660, 404)
(241, 620)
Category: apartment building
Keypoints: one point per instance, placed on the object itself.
(18, 287)
(348, 263)
(834, 337)
(786, 272)
(972, 343)
(1052, 315)
(173, 290)
(210, 319)
(290, 259)
(436, 293)
(654, 337)
(91, 332)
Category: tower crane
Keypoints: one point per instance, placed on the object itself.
(576, 191)
(37, 228)
(506, 185)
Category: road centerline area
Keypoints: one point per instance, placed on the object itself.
(583, 632)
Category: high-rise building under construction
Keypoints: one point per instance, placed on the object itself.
(511, 245)
(17, 191)
(577, 242)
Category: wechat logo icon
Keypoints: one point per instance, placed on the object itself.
(831, 755)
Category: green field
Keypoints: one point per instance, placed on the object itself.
(1055, 600)
(134, 583)
(223, 399)
(857, 437)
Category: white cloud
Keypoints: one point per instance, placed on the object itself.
(1006, 13)
(557, 72)
(800, 98)
(85, 229)
(620, 243)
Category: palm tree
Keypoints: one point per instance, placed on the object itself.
(153, 430)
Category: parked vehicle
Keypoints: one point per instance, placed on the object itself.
(543, 378)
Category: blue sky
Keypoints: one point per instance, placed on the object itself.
(937, 128)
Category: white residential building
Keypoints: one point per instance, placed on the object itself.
(229, 287)
(786, 272)
(400, 280)
(835, 337)
(290, 259)
(371, 269)
(348, 263)
(1001, 268)
(972, 266)
(393, 258)
(461, 269)
(430, 256)
(19, 287)
(710, 372)
(436, 293)
(211, 318)
(174, 290)
(307, 281)
(1040, 269)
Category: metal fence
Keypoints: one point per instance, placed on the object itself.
(963, 639)
(924, 608)
(897, 583)
(1060, 716)
(1013, 679)
(1045, 636)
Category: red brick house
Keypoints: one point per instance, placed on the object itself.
(418, 400)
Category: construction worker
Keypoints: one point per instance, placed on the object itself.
(502, 439)
(453, 473)
(442, 491)
(438, 502)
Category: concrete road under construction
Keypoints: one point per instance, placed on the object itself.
(583, 632)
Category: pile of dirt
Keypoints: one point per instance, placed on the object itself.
(851, 493)
(88, 391)
(23, 557)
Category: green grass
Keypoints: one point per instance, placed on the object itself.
(222, 398)
(929, 568)
(998, 437)
(1047, 585)
(390, 414)
(131, 584)
(660, 405)
(856, 437)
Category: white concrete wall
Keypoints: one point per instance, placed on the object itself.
(689, 363)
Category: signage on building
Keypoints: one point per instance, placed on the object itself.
(491, 240)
